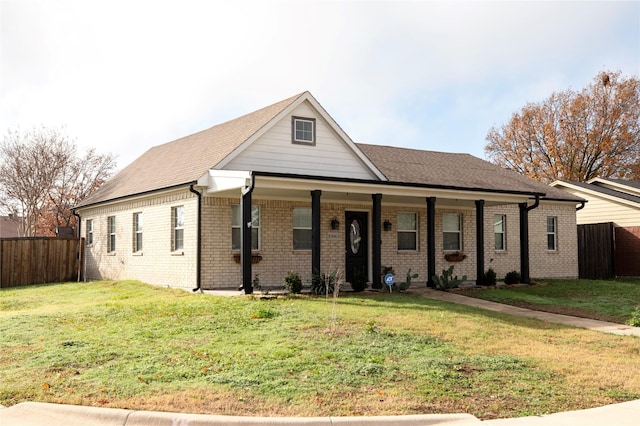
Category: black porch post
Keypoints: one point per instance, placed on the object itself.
(245, 239)
(480, 242)
(376, 240)
(524, 243)
(431, 240)
(315, 232)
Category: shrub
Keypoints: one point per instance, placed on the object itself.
(407, 282)
(324, 284)
(634, 321)
(359, 282)
(489, 277)
(293, 282)
(447, 280)
(512, 278)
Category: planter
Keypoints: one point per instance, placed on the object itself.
(455, 257)
(255, 258)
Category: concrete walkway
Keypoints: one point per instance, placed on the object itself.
(606, 327)
(624, 414)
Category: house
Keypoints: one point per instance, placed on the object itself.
(616, 202)
(10, 226)
(285, 189)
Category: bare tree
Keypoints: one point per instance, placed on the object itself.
(41, 178)
(574, 136)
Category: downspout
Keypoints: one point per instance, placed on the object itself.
(582, 204)
(82, 263)
(198, 241)
(524, 238)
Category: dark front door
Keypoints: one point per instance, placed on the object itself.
(356, 248)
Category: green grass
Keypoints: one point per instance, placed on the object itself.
(129, 345)
(607, 300)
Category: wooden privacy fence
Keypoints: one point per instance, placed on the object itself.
(39, 260)
(596, 251)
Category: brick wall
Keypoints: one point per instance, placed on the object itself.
(156, 263)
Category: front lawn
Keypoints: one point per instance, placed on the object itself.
(129, 345)
(607, 300)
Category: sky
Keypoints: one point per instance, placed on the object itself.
(123, 76)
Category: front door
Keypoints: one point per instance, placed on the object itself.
(356, 248)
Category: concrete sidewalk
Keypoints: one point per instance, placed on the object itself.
(39, 414)
(603, 326)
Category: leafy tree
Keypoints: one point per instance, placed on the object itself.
(574, 136)
(42, 178)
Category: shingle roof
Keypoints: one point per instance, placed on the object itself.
(608, 191)
(184, 160)
(453, 170)
(631, 183)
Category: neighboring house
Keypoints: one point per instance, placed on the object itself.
(9, 227)
(617, 202)
(286, 189)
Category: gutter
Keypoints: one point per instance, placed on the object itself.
(198, 240)
(582, 204)
(535, 204)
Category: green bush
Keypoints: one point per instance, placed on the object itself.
(512, 278)
(634, 321)
(447, 280)
(293, 282)
(324, 284)
(489, 277)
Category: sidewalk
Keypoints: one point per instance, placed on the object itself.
(603, 326)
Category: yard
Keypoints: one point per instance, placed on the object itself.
(606, 300)
(129, 345)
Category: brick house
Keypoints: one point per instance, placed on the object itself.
(285, 189)
(617, 202)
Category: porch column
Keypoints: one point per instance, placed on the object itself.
(524, 243)
(431, 240)
(315, 232)
(245, 240)
(480, 242)
(376, 241)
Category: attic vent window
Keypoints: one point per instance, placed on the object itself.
(303, 130)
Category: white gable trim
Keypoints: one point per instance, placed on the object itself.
(306, 96)
(594, 193)
(616, 185)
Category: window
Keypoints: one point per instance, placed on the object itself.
(499, 230)
(302, 228)
(89, 231)
(111, 227)
(552, 233)
(303, 130)
(236, 235)
(177, 236)
(137, 232)
(452, 231)
(407, 231)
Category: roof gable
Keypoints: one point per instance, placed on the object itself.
(332, 153)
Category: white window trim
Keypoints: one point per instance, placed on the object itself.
(503, 233)
(554, 233)
(294, 139)
(111, 248)
(176, 227)
(137, 230)
(417, 218)
(458, 231)
(89, 232)
(258, 226)
(304, 228)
